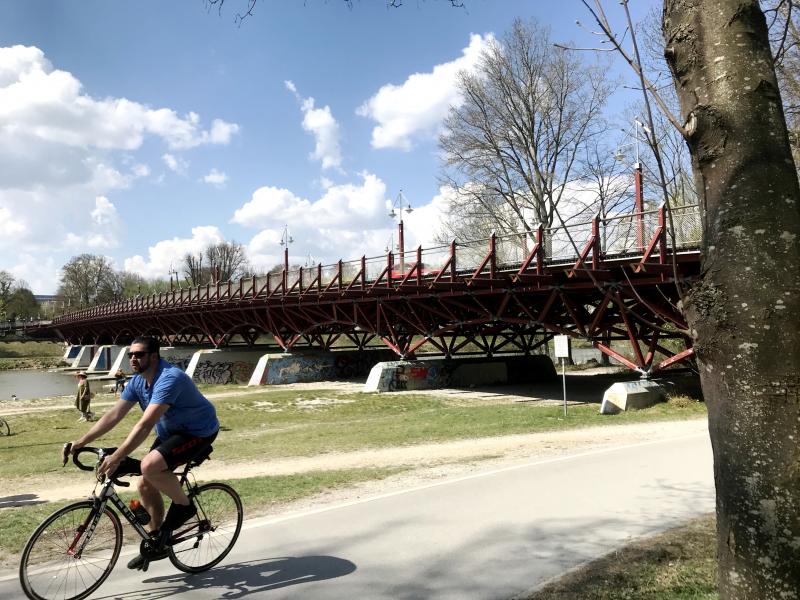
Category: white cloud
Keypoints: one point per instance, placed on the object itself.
(9, 226)
(417, 107)
(168, 254)
(346, 221)
(61, 149)
(320, 123)
(100, 231)
(174, 163)
(216, 178)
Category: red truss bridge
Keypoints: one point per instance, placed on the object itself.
(613, 282)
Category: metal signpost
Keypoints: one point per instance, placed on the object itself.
(563, 349)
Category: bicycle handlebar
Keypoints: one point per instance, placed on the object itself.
(101, 453)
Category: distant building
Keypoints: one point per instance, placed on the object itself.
(47, 302)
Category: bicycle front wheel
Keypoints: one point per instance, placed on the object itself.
(4, 428)
(207, 538)
(71, 553)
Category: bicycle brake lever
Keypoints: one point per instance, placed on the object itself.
(65, 454)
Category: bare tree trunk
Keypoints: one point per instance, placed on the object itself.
(745, 313)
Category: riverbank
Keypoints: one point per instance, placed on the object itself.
(18, 356)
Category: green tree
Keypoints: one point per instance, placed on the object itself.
(6, 287)
(22, 304)
(87, 280)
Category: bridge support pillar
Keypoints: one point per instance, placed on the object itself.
(106, 358)
(627, 395)
(70, 352)
(223, 365)
(81, 359)
(322, 365)
(438, 373)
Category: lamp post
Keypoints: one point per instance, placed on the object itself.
(286, 239)
(637, 181)
(172, 272)
(399, 205)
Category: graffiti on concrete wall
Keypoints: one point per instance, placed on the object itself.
(416, 376)
(213, 372)
(208, 371)
(299, 368)
(182, 362)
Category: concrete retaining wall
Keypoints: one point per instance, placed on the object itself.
(468, 372)
(304, 367)
(180, 356)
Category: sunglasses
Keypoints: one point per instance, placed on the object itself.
(137, 354)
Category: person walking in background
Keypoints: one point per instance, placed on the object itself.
(83, 398)
(119, 381)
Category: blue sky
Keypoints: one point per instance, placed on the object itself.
(143, 130)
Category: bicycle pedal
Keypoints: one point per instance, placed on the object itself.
(145, 565)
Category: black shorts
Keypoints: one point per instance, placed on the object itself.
(180, 448)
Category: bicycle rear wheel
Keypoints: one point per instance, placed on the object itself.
(4, 428)
(207, 538)
(62, 561)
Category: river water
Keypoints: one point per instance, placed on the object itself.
(35, 384)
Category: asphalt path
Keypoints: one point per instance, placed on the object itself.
(490, 535)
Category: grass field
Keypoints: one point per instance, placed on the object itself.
(30, 349)
(282, 422)
(678, 564)
(290, 423)
(29, 355)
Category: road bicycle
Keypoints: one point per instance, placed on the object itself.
(75, 549)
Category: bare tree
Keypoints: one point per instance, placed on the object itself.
(517, 140)
(783, 20)
(218, 262)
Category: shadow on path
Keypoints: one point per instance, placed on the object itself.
(243, 579)
(20, 500)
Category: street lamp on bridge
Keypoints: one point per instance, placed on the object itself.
(619, 154)
(399, 205)
(286, 239)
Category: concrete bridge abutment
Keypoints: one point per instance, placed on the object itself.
(105, 359)
(78, 358)
(222, 365)
(316, 365)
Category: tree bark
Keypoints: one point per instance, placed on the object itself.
(745, 312)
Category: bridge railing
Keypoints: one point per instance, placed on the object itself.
(619, 235)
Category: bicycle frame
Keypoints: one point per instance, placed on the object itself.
(108, 493)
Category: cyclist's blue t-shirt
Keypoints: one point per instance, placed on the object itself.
(189, 412)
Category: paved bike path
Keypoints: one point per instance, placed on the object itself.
(489, 535)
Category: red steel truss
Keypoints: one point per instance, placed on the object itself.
(595, 281)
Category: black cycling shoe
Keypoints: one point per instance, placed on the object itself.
(177, 515)
(141, 563)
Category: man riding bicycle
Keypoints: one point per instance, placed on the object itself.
(185, 422)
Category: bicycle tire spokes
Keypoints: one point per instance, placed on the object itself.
(65, 559)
